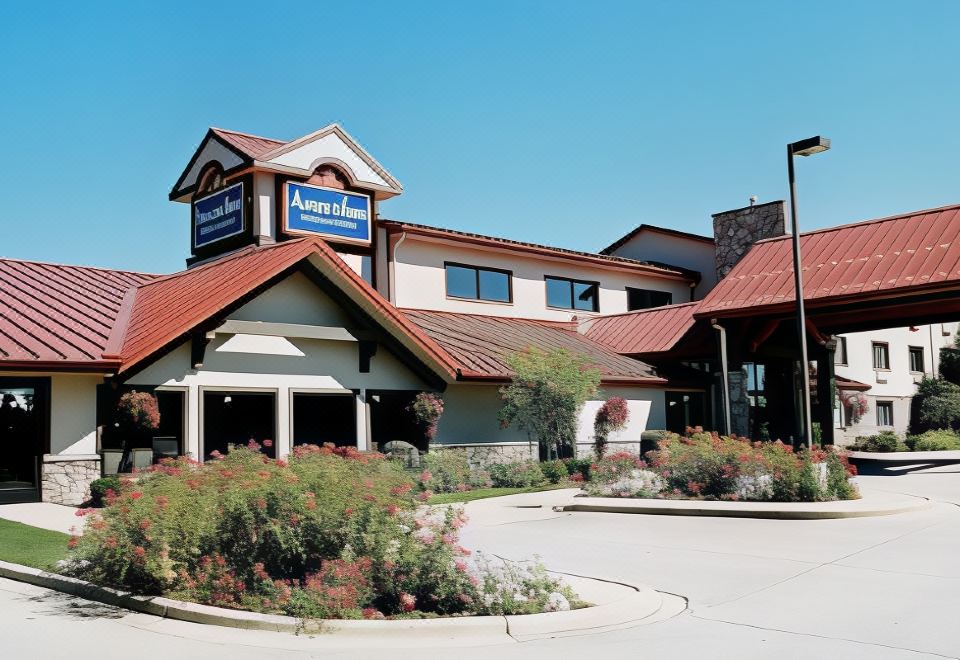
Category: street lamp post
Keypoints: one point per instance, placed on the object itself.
(806, 147)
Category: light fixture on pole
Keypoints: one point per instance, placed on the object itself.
(806, 147)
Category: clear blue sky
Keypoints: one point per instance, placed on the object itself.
(565, 123)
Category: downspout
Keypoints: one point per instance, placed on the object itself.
(392, 271)
(723, 365)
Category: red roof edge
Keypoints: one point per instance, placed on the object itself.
(86, 366)
(118, 332)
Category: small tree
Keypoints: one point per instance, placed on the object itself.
(137, 414)
(611, 417)
(936, 406)
(427, 408)
(546, 396)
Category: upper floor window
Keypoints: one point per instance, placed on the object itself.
(916, 359)
(474, 283)
(881, 355)
(563, 293)
(647, 298)
(840, 354)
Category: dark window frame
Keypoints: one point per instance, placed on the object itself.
(841, 352)
(637, 289)
(911, 352)
(885, 405)
(477, 270)
(886, 354)
(571, 281)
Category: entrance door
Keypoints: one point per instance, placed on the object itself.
(24, 411)
(684, 409)
(236, 418)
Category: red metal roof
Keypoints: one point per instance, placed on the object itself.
(253, 146)
(481, 344)
(54, 315)
(920, 250)
(643, 331)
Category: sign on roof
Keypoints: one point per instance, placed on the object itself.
(218, 216)
(327, 212)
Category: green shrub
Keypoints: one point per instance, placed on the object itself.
(887, 441)
(99, 489)
(554, 471)
(709, 466)
(940, 440)
(332, 532)
(936, 405)
(521, 474)
(448, 470)
(579, 466)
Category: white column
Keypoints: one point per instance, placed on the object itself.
(363, 432)
(191, 446)
(284, 417)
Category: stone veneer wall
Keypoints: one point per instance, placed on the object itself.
(66, 479)
(481, 455)
(588, 449)
(735, 231)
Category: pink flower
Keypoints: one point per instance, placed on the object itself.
(402, 489)
(268, 443)
(425, 476)
(145, 524)
(72, 543)
(425, 495)
(460, 565)
(407, 602)
(80, 513)
(392, 509)
(139, 552)
(136, 495)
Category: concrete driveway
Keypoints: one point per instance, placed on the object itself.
(882, 587)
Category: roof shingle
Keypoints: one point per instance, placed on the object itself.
(643, 331)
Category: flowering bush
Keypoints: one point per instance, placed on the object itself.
(554, 471)
(448, 471)
(521, 474)
(427, 408)
(856, 403)
(708, 466)
(138, 410)
(331, 532)
(611, 417)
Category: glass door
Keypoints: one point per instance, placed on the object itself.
(23, 432)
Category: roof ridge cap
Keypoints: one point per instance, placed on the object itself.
(216, 262)
(486, 316)
(648, 309)
(251, 135)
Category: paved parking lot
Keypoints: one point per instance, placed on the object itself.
(882, 587)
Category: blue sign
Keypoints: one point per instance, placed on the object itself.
(326, 211)
(218, 216)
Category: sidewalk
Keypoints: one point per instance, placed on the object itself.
(56, 517)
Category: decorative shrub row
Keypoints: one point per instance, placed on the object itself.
(888, 441)
(330, 533)
(708, 466)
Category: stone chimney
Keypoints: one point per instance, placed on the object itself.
(735, 231)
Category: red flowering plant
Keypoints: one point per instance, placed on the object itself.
(328, 532)
(709, 466)
(427, 407)
(611, 417)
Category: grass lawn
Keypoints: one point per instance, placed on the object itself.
(31, 546)
(483, 493)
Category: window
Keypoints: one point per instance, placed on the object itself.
(572, 294)
(840, 354)
(916, 359)
(884, 413)
(473, 283)
(647, 298)
(881, 356)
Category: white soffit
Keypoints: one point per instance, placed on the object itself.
(212, 150)
(260, 345)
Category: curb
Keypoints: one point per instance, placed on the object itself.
(867, 506)
(628, 606)
(945, 457)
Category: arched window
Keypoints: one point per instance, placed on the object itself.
(329, 176)
(211, 178)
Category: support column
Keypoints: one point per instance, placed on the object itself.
(822, 413)
(284, 415)
(363, 421)
(191, 444)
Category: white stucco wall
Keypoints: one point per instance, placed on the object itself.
(677, 251)
(278, 364)
(470, 415)
(898, 384)
(420, 281)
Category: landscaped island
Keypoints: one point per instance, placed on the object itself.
(707, 466)
(328, 533)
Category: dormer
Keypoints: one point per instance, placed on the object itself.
(245, 189)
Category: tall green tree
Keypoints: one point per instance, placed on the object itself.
(546, 396)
